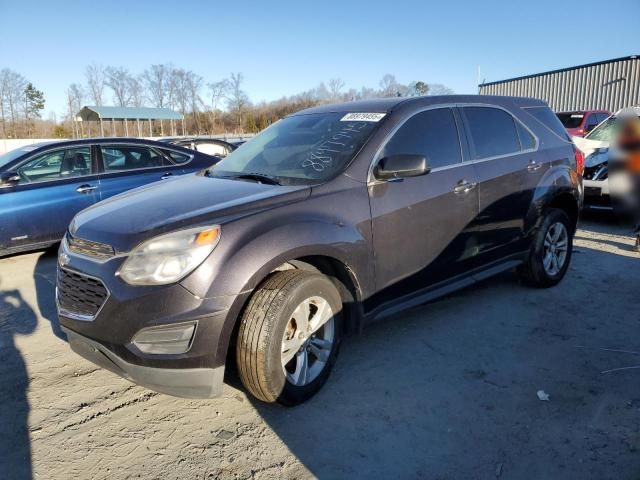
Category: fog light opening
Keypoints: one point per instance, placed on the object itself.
(167, 340)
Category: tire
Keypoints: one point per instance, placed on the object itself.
(272, 328)
(535, 271)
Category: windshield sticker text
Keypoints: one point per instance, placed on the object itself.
(321, 157)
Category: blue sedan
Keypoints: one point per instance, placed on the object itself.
(43, 186)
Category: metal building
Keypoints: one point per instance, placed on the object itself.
(611, 84)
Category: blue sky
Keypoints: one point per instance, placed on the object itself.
(284, 47)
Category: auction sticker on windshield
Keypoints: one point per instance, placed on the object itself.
(363, 117)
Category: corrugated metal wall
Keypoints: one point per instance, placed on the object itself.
(610, 85)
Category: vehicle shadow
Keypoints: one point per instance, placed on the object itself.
(44, 277)
(16, 318)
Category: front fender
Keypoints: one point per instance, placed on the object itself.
(233, 271)
(228, 278)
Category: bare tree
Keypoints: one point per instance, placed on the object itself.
(181, 91)
(157, 81)
(96, 80)
(237, 99)
(4, 89)
(118, 79)
(389, 86)
(335, 87)
(439, 89)
(193, 84)
(136, 91)
(217, 90)
(75, 99)
(12, 88)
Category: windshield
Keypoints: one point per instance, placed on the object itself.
(604, 132)
(570, 120)
(302, 149)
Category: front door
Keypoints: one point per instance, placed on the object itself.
(421, 233)
(53, 187)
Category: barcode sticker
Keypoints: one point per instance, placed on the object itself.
(363, 117)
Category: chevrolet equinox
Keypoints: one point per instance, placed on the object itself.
(329, 219)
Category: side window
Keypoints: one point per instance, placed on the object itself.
(117, 158)
(177, 157)
(493, 131)
(57, 165)
(546, 117)
(432, 133)
(527, 141)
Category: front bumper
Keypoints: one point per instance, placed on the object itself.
(187, 382)
(107, 334)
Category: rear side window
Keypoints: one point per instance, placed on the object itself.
(493, 131)
(177, 157)
(546, 117)
(527, 141)
(432, 133)
(120, 157)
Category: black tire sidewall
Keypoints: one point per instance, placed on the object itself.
(538, 274)
(309, 285)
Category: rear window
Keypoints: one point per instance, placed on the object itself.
(493, 131)
(546, 117)
(570, 120)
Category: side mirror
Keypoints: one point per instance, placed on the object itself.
(9, 179)
(401, 166)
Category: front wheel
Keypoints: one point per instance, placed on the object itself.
(289, 337)
(550, 254)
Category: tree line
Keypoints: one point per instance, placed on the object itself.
(219, 106)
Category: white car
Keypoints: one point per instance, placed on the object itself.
(596, 146)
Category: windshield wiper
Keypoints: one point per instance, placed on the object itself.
(258, 177)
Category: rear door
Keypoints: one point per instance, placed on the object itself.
(53, 187)
(125, 166)
(504, 152)
(420, 224)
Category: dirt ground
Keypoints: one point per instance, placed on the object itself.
(444, 391)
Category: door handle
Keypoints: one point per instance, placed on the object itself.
(534, 166)
(166, 175)
(86, 188)
(464, 186)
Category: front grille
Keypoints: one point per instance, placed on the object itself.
(79, 295)
(89, 248)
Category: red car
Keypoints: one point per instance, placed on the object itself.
(581, 122)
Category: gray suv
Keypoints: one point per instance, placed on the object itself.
(329, 219)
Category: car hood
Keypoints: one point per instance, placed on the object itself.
(126, 220)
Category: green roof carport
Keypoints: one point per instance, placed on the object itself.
(100, 114)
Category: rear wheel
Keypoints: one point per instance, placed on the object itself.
(550, 254)
(289, 337)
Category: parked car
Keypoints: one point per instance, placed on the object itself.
(579, 123)
(596, 147)
(42, 186)
(329, 219)
(210, 146)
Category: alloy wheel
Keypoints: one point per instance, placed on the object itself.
(556, 245)
(307, 341)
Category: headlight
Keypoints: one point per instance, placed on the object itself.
(168, 258)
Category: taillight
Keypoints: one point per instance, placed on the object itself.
(579, 162)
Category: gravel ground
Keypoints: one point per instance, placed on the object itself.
(444, 391)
